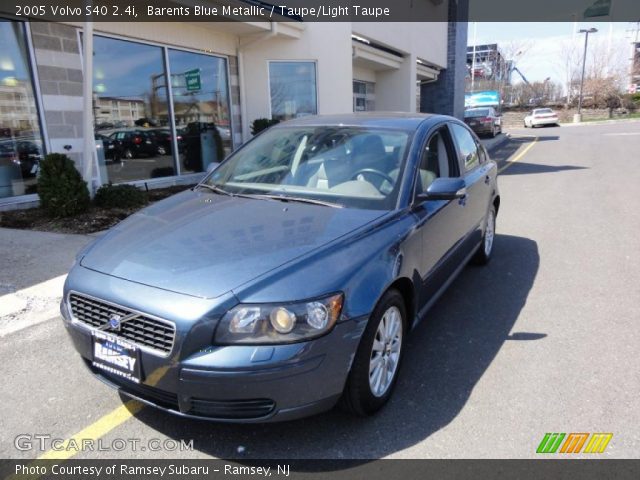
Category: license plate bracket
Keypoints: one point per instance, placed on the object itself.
(116, 356)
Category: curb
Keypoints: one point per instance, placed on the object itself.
(504, 137)
(601, 122)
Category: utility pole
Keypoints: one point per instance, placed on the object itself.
(577, 118)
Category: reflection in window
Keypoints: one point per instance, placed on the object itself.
(466, 145)
(131, 110)
(293, 89)
(201, 109)
(20, 139)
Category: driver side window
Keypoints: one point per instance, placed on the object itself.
(435, 161)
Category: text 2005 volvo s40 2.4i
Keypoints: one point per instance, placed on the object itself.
(289, 279)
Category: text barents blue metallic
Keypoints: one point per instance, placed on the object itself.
(289, 279)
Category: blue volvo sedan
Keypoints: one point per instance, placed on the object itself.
(290, 277)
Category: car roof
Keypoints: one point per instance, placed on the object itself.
(398, 120)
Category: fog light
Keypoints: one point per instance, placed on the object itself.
(317, 315)
(282, 320)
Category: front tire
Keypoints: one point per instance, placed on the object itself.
(375, 368)
(483, 255)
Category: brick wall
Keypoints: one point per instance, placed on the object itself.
(59, 73)
(446, 95)
(515, 119)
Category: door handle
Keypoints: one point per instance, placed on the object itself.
(487, 180)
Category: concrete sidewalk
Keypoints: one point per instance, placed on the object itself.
(33, 267)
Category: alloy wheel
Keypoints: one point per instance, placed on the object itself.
(489, 233)
(385, 353)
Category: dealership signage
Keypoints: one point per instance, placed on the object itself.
(192, 80)
(489, 98)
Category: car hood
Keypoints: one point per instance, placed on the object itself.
(204, 245)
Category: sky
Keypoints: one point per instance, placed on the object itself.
(543, 57)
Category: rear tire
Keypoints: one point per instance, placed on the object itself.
(377, 362)
(483, 254)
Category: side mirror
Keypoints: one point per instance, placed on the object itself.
(445, 189)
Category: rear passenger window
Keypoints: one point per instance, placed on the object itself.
(466, 146)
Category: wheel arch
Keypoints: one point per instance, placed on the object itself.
(406, 288)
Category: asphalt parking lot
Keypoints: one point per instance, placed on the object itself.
(543, 339)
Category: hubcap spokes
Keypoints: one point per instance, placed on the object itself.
(385, 353)
(489, 234)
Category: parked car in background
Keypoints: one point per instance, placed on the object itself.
(164, 138)
(29, 155)
(483, 121)
(109, 147)
(541, 117)
(290, 277)
(132, 143)
(24, 152)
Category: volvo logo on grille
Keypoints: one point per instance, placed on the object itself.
(114, 322)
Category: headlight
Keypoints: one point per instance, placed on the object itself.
(279, 323)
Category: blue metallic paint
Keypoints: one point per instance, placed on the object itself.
(190, 258)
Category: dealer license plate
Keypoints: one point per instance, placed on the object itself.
(116, 356)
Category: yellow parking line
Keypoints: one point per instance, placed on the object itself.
(519, 156)
(98, 429)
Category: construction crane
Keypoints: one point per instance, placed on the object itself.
(515, 69)
(533, 100)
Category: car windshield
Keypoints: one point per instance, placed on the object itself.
(482, 112)
(344, 166)
(542, 110)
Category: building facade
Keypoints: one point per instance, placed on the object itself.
(171, 98)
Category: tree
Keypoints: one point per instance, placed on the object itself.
(606, 69)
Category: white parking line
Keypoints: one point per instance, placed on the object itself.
(30, 306)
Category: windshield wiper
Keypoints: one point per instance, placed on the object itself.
(284, 198)
(215, 189)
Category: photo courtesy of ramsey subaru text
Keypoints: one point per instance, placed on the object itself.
(289, 279)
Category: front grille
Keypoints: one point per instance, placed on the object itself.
(231, 409)
(142, 330)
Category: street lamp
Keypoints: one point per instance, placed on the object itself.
(578, 117)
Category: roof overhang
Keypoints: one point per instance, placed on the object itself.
(374, 59)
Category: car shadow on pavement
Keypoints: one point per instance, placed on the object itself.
(445, 357)
(506, 150)
(523, 168)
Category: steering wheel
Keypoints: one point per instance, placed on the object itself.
(374, 172)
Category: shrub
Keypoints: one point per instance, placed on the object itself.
(260, 124)
(120, 196)
(62, 190)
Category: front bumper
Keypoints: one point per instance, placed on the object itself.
(238, 383)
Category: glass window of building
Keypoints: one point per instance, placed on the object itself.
(21, 146)
(201, 109)
(363, 96)
(293, 89)
(131, 112)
